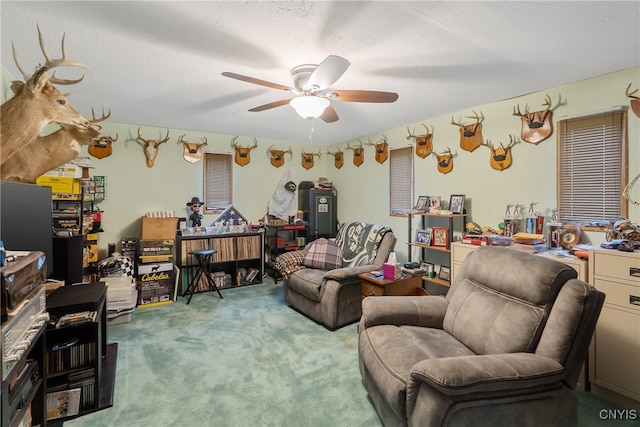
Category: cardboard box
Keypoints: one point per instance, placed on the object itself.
(159, 228)
(155, 283)
(59, 184)
(68, 170)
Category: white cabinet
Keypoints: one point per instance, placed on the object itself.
(615, 350)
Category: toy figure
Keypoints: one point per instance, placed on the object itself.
(196, 216)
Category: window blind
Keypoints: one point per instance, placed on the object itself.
(217, 181)
(592, 167)
(401, 179)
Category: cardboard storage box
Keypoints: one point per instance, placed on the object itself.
(159, 228)
(155, 283)
(59, 184)
(68, 170)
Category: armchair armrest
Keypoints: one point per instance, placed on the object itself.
(486, 373)
(347, 272)
(426, 311)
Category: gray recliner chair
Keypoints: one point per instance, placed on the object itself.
(333, 297)
(505, 347)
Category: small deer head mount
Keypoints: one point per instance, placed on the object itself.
(150, 147)
(424, 143)
(470, 134)
(103, 148)
(500, 158)
(192, 151)
(358, 153)
(536, 126)
(382, 149)
(338, 158)
(243, 156)
(276, 157)
(635, 100)
(445, 161)
(307, 159)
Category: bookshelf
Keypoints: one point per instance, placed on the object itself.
(283, 238)
(239, 260)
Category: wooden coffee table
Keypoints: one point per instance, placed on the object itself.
(377, 286)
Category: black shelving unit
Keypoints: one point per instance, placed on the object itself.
(283, 238)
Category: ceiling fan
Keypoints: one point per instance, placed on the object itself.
(312, 86)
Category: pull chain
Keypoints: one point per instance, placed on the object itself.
(311, 130)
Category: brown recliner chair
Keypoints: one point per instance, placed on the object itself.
(333, 297)
(505, 347)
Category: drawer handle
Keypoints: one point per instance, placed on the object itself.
(634, 300)
(634, 271)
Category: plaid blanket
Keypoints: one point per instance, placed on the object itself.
(359, 242)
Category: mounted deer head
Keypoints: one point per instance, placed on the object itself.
(500, 157)
(635, 100)
(307, 159)
(150, 147)
(45, 153)
(445, 161)
(100, 151)
(277, 156)
(192, 151)
(338, 158)
(424, 143)
(470, 134)
(358, 154)
(243, 156)
(35, 103)
(382, 149)
(536, 126)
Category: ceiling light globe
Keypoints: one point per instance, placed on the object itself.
(309, 107)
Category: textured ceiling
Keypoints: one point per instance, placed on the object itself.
(160, 63)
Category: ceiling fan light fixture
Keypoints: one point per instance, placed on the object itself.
(309, 107)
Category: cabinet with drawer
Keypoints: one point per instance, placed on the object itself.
(615, 350)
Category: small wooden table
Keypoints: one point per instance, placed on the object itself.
(377, 286)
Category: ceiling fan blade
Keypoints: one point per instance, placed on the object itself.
(256, 81)
(328, 71)
(362, 96)
(329, 115)
(270, 105)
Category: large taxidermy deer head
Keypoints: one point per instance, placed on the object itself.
(635, 100)
(382, 149)
(242, 154)
(36, 102)
(445, 161)
(500, 158)
(307, 159)
(536, 126)
(424, 143)
(358, 153)
(470, 134)
(150, 147)
(276, 157)
(48, 152)
(338, 158)
(192, 151)
(100, 151)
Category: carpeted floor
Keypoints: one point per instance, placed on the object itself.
(245, 360)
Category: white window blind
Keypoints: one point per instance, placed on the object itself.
(592, 169)
(401, 179)
(217, 181)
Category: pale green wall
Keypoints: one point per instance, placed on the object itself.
(133, 189)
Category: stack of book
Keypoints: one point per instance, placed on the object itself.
(532, 243)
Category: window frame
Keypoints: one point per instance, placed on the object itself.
(209, 205)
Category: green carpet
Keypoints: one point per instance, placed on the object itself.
(245, 360)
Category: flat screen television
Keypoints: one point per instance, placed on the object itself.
(25, 219)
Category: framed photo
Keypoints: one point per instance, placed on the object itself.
(421, 204)
(433, 203)
(440, 237)
(429, 268)
(456, 203)
(423, 237)
(444, 273)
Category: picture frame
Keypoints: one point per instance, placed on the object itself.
(444, 273)
(429, 268)
(421, 204)
(456, 203)
(423, 237)
(440, 237)
(433, 203)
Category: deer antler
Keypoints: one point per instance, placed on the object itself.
(348, 147)
(290, 151)
(631, 94)
(456, 123)
(334, 154)
(166, 138)
(103, 118)
(368, 142)
(234, 145)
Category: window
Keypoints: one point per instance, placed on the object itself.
(592, 167)
(217, 182)
(401, 180)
